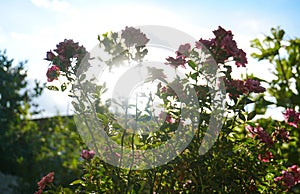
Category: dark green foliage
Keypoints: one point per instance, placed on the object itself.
(29, 149)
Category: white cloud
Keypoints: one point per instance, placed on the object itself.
(16, 36)
(55, 5)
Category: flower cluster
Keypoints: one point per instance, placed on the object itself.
(168, 118)
(261, 134)
(282, 134)
(290, 177)
(65, 53)
(181, 54)
(43, 182)
(133, 37)
(87, 155)
(223, 47)
(154, 73)
(292, 117)
(266, 157)
(235, 88)
(52, 73)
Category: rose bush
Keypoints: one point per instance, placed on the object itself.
(248, 154)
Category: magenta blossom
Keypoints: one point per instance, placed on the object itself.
(261, 134)
(52, 73)
(164, 89)
(155, 73)
(240, 58)
(50, 56)
(87, 155)
(64, 55)
(289, 177)
(291, 117)
(181, 54)
(223, 47)
(282, 134)
(43, 182)
(266, 157)
(208, 44)
(235, 88)
(184, 50)
(133, 37)
(176, 62)
(254, 86)
(168, 118)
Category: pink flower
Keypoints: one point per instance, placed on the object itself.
(70, 49)
(254, 86)
(64, 53)
(155, 73)
(50, 56)
(296, 171)
(43, 182)
(282, 134)
(133, 37)
(164, 89)
(176, 62)
(181, 54)
(52, 73)
(208, 44)
(184, 50)
(235, 88)
(291, 117)
(221, 33)
(290, 177)
(169, 119)
(240, 58)
(229, 45)
(39, 192)
(266, 157)
(87, 155)
(223, 47)
(261, 134)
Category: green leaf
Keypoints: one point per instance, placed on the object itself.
(241, 116)
(192, 64)
(102, 118)
(251, 115)
(251, 123)
(63, 87)
(78, 182)
(194, 76)
(54, 88)
(82, 77)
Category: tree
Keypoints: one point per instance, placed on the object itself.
(284, 54)
(29, 147)
(15, 101)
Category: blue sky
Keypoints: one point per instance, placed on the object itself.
(29, 28)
